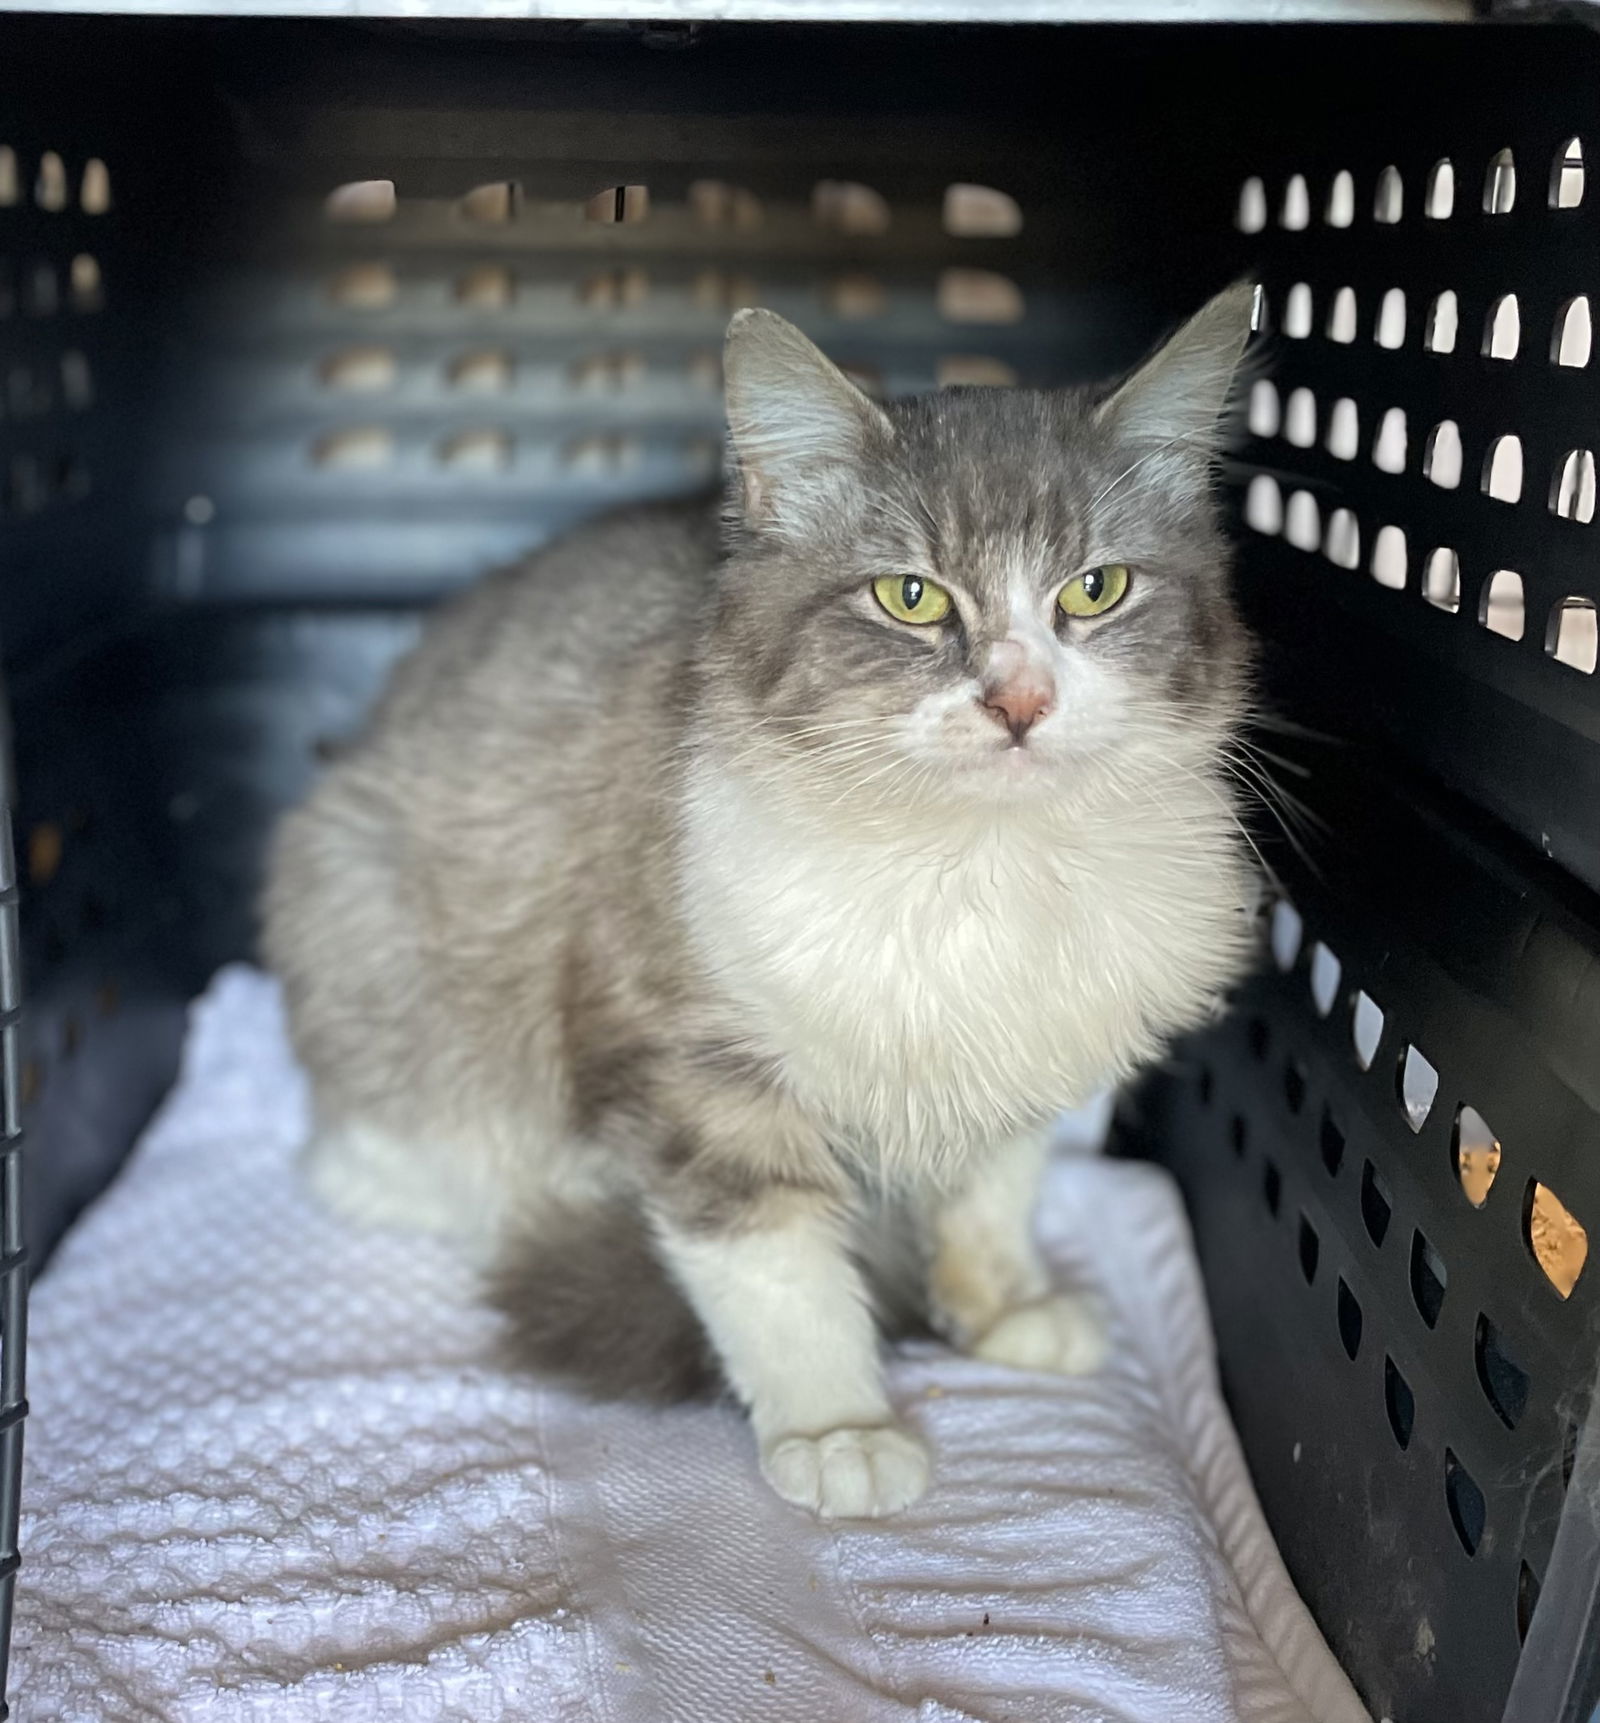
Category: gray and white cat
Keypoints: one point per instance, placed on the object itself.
(712, 908)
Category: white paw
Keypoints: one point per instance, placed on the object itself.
(850, 1474)
(1065, 1335)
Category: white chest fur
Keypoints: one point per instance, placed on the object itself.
(928, 996)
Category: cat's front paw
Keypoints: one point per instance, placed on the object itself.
(1062, 1334)
(858, 1473)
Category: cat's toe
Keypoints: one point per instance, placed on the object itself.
(849, 1474)
(1063, 1334)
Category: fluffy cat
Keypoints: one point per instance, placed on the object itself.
(715, 913)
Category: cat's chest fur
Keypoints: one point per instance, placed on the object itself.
(931, 996)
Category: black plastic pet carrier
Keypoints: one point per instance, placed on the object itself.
(304, 323)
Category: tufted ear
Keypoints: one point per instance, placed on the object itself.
(1179, 396)
(795, 421)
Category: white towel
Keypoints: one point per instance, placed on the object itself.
(271, 1476)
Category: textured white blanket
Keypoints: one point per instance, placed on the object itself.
(270, 1477)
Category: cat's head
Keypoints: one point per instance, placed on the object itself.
(979, 592)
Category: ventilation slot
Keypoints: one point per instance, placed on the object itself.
(1300, 418)
(1285, 933)
(1572, 490)
(1441, 580)
(1391, 330)
(1559, 1243)
(1500, 185)
(608, 453)
(979, 296)
(1440, 335)
(981, 212)
(855, 296)
(1303, 522)
(1504, 1382)
(1342, 546)
(1296, 212)
(1527, 1599)
(1265, 414)
(1441, 458)
(50, 189)
(1500, 610)
(1569, 345)
(715, 203)
(1366, 1029)
(1417, 1086)
(486, 451)
(1324, 978)
(1399, 1402)
(361, 201)
(1377, 1205)
(618, 289)
(1330, 1140)
(1428, 1279)
(606, 373)
(489, 288)
(360, 370)
(1344, 430)
(1502, 329)
(493, 204)
(1342, 316)
(1571, 637)
(10, 187)
(1309, 1249)
(364, 287)
(1341, 209)
(1271, 1187)
(1263, 505)
(1566, 176)
(366, 449)
(1238, 1135)
(1468, 1511)
(1389, 447)
(1349, 1313)
(847, 206)
(1297, 312)
(94, 195)
(618, 204)
(486, 373)
(1475, 1150)
(1251, 215)
(1389, 203)
(1294, 1085)
(1502, 470)
(83, 278)
(974, 370)
(714, 290)
(1441, 200)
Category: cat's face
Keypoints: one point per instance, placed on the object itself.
(983, 592)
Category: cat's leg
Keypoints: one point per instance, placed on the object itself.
(789, 1316)
(989, 1287)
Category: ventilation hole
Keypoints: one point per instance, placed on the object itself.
(10, 187)
(364, 287)
(1257, 1037)
(1570, 343)
(84, 280)
(1501, 609)
(1465, 1500)
(478, 451)
(1331, 1142)
(1294, 1085)
(1500, 184)
(1324, 978)
(50, 188)
(1341, 209)
(1389, 558)
(484, 373)
(1251, 216)
(847, 206)
(1399, 1402)
(723, 290)
(361, 200)
(1441, 457)
(1502, 329)
(1344, 430)
(1527, 1597)
(715, 203)
(1441, 580)
(1389, 446)
(1265, 414)
(1296, 211)
(1416, 1084)
(1572, 488)
(981, 212)
(1571, 636)
(1285, 933)
(1502, 470)
(853, 296)
(1377, 1205)
(1259, 312)
(1366, 1029)
(493, 204)
(1349, 1311)
(94, 191)
(1475, 1151)
(1303, 521)
(1300, 418)
(77, 381)
(608, 452)
(364, 449)
(1263, 505)
(614, 289)
(1342, 316)
(1342, 547)
(1441, 199)
(1566, 176)
(1271, 1187)
(365, 369)
(1389, 203)
(46, 843)
(974, 370)
(618, 204)
(611, 372)
(978, 296)
(1310, 1249)
(1238, 1135)
(1297, 312)
(1555, 1236)
(487, 288)
(1428, 1279)
(1391, 330)
(1504, 1382)
(1440, 335)
(1206, 1084)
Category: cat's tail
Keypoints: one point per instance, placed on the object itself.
(591, 1304)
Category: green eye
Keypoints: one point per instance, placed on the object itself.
(910, 598)
(1095, 591)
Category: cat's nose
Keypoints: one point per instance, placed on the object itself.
(1019, 705)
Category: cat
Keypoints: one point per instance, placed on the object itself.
(718, 909)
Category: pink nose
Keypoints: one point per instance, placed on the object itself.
(1017, 705)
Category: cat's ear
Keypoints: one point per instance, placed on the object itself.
(796, 423)
(1181, 395)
